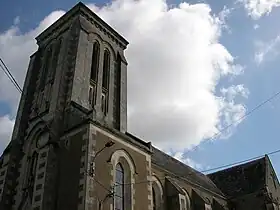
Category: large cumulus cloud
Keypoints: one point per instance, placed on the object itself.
(175, 61)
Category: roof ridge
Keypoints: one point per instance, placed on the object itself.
(239, 165)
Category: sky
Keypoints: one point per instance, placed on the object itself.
(194, 69)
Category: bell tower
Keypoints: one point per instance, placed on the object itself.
(77, 75)
(93, 72)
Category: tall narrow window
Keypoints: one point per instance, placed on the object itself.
(104, 104)
(45, 68)
(183, 204)
(55, 59)
(94, 73)
(95, 62)
(92, 94)
(105, 82)
(157, 194)
(106, 70)
(32, 172)
(119, 188)
(154, 200)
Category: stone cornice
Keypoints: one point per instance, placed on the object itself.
(81, 9)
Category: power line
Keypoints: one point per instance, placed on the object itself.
(10, 77)
(212, 169)
(14, 82)
(242, 117)
(17, 86)
(246, 115)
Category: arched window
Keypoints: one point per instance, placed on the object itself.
(55, 59)
(106, 70)
(45, 69)
(32, 172)
(94, 73)
(95, 62)
(157, 194)
(105, 82)
(154, 200)
(185, 203)
(119, 188)
(123, 170)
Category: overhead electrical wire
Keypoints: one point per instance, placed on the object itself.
(15, 83)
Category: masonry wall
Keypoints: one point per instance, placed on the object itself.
(141, 191)
(71, 170)
(198, 198)
(254, 201)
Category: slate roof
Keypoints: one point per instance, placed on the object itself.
(241, 179)
(179, 169)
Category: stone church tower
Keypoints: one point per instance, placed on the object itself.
(76, 78)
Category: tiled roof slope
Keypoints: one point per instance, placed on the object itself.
(174, 166)
(242, 179)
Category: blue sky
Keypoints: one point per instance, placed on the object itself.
(244, 33)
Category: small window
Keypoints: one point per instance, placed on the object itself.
(183, 203)
(208, 207)
(80, 200)
(92, 94)
(43, 154)
(37, 198)
(39, 186)
(42, 165)
(2, 173)
(40, 175)
(104, 103)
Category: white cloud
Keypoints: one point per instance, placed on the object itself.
(182, 158)
(15, 50)
(233, 91)
(257, 8)
(175, 62)
(6, 126)
(266, 51)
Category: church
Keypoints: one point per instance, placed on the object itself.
(70, 149)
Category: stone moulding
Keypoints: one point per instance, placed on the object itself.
(90, 16)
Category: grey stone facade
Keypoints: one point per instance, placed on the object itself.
(74, 103)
